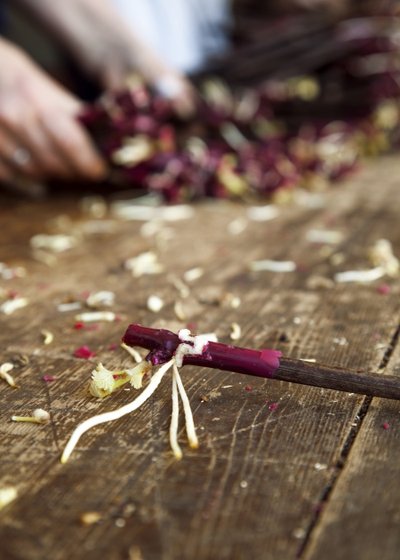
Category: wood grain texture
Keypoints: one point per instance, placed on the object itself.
(276, 482)
(362, 514)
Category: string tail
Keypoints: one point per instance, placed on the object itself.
(190, 427)
(173, 429)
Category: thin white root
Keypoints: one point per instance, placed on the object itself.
(173, 428)
(190, 428)
(115, 414)
(134, 353)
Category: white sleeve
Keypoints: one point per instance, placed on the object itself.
(183, 32)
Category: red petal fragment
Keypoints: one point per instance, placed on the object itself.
(384, 289)
(84, 352)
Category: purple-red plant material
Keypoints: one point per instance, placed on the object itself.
(273, 406)
(163, 345)
(269, 135)
(48, 378)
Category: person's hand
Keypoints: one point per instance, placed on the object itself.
(114, 72)
(40, 137)
(108, 49)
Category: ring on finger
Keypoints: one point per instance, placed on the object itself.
(21, 157)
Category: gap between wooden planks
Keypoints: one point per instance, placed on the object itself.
(254, 487)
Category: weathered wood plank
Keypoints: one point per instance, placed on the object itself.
(254, 487)
(362, 514)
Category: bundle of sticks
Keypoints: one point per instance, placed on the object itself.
(296, 107)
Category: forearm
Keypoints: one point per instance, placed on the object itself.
(95, 34)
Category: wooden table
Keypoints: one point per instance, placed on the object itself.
(283, 471)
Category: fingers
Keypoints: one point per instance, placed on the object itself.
(6, 173)
(40, 137)
(74, 146)
(47, 146)
(16, 156)
(45, 152)
(180, 92)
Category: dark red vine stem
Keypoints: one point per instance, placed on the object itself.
(162, 345)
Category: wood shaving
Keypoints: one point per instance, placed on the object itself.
(211, 395)
(145, 263)
(193, 274)
(21, 359)
(268, 265)
(130, 210)
(93, 316)
(155, 303)
(94, 206)
(328, 236)
(180, 286)
(69, 306)
(39, 416)
(337, 259)
(152, 228)
(90, 518)
(236, 331)
(7, 495)
(46, 258)
(233, 136)
(179, 311)
(94, 227)
(381, 255)
(340, 341)
(230, 300)
(135, 553)
(62, 223)
(5, 374)
(262, 213)
(105, 381)
(134, 151)
(175, 213)
(9, 273)
(309, 199)
(48, 336)
(299, 533)
(360, 276)
(100, 299)
(10, 305)
(237, 226)
(55, 243)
